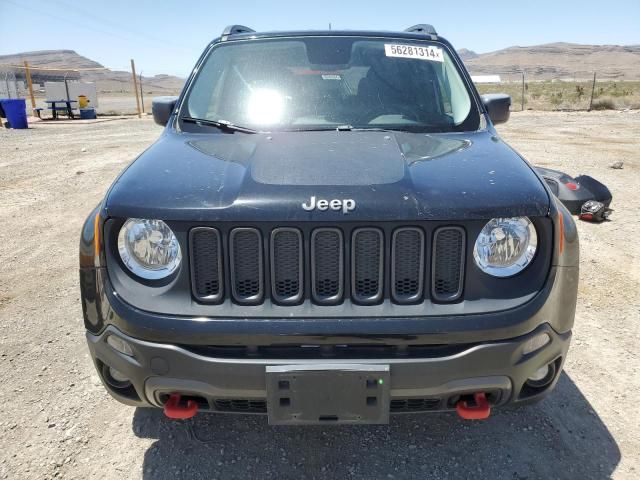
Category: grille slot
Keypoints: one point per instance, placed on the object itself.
(327, 265)
(407, 264)
(414, 404)
(448, 263)
(240, 405)
(286, 265)
(206, 264)
(247, 278)
(367, 258)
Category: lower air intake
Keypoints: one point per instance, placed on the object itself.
(240, 405)
(414, 404)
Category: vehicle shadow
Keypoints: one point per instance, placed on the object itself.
(561, 437)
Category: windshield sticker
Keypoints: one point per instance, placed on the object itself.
(331, 77)
(411, 51)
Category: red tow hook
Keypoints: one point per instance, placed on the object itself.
(479, 411)
(173, 409)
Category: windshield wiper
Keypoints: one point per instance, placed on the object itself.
(343, 128)
(396, 128)
(413, 128)
(221, 124)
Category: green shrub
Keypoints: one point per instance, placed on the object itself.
(556, 98)
(603, 104)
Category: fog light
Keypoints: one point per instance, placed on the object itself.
(120, 345)
(535, 343)
(543, 376)
(117, 375)
(539, 374)
(115, 378)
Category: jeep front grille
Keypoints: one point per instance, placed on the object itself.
(206, 264)
(367, 260)
(448, 263)
(246, 265)
(326, 265)
(407, 264)
(286, 265)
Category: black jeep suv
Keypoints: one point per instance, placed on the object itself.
(329, 230)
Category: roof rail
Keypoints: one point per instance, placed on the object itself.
(234, 30)
(422, 28)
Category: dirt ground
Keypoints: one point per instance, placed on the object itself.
(56, 420)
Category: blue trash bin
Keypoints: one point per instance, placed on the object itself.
(88, 113)
(15, 109)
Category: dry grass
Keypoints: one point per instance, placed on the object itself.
(569, 95)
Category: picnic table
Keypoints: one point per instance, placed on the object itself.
(65, 106)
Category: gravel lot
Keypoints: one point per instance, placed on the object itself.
(56, 420)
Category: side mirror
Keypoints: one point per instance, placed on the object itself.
(162, 108)
(497, 105)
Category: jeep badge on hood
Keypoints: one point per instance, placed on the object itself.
(347, 205)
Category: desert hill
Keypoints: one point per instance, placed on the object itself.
(540, 62)
(107, 80)
(466, 54)
(559, 60)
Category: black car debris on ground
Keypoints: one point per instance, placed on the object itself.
(583, 195)
(329, 230)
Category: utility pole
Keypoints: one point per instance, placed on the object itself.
(593, 88)
(27, 74)
(141, 92)
(522, 106)
(135, 87)
(66, 86)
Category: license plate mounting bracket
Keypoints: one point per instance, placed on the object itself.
(328, 393)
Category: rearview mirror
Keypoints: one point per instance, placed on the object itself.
(497, 105)
(162, 108)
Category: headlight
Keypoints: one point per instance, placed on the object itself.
(149, 248)
(505, 246)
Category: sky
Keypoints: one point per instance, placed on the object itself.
(168, 36)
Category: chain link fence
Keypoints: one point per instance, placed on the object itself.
(564, 93)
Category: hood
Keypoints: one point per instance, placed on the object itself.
(388, 175)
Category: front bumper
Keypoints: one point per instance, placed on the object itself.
(498, 368)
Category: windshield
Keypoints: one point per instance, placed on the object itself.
(317, 83)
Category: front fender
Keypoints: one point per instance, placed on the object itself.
(91, 258)
(566, 237)
(90, 253)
